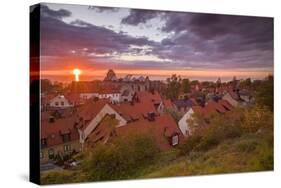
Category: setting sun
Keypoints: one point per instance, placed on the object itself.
(76, 73)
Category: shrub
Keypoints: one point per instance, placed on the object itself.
(218, 129)
(257, 118)
(121, 159)
(247, 146)
(207, 142)
(189, 144)
(58, 177)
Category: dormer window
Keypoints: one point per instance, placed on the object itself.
(151, 116)
(51, 119)
(175, 140)
(51, 153)
(44, 142)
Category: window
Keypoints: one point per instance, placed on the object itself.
(66, 137)
(62, 103)
(44, 142)
(175, 140)
(51, 153)
(67, 148)
(56, 103)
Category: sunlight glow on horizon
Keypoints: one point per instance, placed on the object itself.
(76, 73)
(99, 74)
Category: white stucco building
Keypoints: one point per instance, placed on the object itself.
(60, 102)
(183, 122)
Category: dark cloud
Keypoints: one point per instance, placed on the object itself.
(139, 16)
(60, 38)
(80, 23)
(195, 40)
(103, 9)
(223, 40)
(45, 11)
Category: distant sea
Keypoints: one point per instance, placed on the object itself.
(70, 78)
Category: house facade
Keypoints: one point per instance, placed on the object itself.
(60, 101)
(59, 138)
(184, 123)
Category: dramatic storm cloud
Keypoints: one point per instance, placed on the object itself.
(60, 38)
(146, 39)
(139, 16)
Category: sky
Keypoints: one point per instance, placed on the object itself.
(154, 43)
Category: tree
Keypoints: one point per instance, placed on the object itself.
(186, 85)
(218, 83)
(246, 83)
(194, 82)
(264, 96)
(123, 158)
(46, 85)
(256, 118)
(173, 87)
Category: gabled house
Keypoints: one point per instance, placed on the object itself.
(90, 90)
(60, 101)
(59, 137)
(100, 121)
(141, 116)
(211, 107)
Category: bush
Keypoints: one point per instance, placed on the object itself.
(207, 143)
(121, 159)
(215, 132)
(257, 118)
(247, 146)
(189, 144)
(60, 177)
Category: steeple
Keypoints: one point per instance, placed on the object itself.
(110, 76)
(218, 82)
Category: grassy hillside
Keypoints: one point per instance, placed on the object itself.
(251, 152)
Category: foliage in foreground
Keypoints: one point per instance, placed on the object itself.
(250, 152)
(121, 159)
(221, 128)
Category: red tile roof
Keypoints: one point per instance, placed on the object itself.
(168, 103)
(212, 107)
(92, 108)
(94, 87)
(162, 128)
(226, 104)
(73, 98)
(233, 94)
(103, 132)
(149, 96)
(53, 131)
